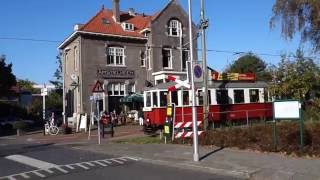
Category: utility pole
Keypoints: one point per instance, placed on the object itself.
(204, 23)
(194, 112)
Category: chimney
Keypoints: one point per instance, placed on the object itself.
(116, 10)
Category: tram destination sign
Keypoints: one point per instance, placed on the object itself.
(115, 73)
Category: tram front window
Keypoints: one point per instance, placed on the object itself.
(163, 98)
(200, 97)
(174, 97)
(185, 97)
(148, 101)
(155, 99)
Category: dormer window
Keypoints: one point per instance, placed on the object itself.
(174, 28)
(128, 26)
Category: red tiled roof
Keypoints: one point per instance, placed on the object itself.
(96, 24)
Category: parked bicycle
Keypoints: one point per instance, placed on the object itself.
(51, 127)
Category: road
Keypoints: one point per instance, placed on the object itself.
(50, 161)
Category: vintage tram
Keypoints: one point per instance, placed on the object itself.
(228, 101)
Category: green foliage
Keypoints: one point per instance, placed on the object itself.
(301, 16)
(295, 79)
(54, 101)
(250, 63)
(58, 73)
(7, 78)
(27, 85)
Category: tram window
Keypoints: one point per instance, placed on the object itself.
(185, 97)
(155, 99)
(163, 98)
(254, 95)
(222, 97)
(148, 96)
(209, 96)
(174, 97)
(238, 96)
(200, 97)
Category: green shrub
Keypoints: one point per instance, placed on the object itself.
(20, 125)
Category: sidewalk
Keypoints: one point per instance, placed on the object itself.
(236, 163)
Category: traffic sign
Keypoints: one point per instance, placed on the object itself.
(197, 71)
(44, 91)
(98, 87)
(179, 83)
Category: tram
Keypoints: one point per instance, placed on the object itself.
(228, 101)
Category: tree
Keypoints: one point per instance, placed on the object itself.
(7, 78)
(250, 63)
(301, 16)
(58, 73)
(297, 79)
(27, 85)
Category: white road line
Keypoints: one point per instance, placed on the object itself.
(101, 164)
(38, 174)
(69, 166)
(48, 170)
(123, 159)
(82, 166)
(24, 175)
(135, 159)
(60, 169)
(31, 161)
(11, 178)
(116, 161)
(106, 161)
(89, 163)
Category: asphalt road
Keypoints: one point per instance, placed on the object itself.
(68, 163)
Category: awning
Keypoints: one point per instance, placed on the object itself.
(132, 98)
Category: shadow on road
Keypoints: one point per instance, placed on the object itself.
(210, 153)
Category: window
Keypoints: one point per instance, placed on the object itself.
(127, 26)
(222, 97)
(185, 58)
(148, 97)
(209, 97)
(174, 97)
(174, 28)
(131, 88)
(185, 97)
(148, 58)
(76, 59)
(116, 89)
(163, 98)
(143, 59)
(254, 95)
(167, 58)
(115, 56)
(238, 96)
(155, 99)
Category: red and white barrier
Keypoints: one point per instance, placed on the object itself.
(186, 124)
(187, 134)
(179, 83)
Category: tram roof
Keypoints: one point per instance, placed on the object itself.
(215, 84)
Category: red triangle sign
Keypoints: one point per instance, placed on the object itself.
(98, 87)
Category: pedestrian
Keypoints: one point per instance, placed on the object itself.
(140, 115)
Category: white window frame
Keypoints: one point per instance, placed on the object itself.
(175, 24)
(76, 59)
(143, 59)
(115, 52)
(148, 58)
(119, 86)
(170, 59)
(128, 26)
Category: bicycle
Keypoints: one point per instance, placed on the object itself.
(50, 126)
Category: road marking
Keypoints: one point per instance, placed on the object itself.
(90, 164)
(101, 164)
(31, 161)
(116, 161)
(48, 170)
(106, 161)
(24, 175)
(80, 165)
(38, 174)
(69, 166)
(131, 158)
(60, 169)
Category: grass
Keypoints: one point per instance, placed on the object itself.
(141, 140)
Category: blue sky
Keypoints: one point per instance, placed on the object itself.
(235, 25)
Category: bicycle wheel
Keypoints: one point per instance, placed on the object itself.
(54, 130)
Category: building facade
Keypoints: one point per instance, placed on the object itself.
(127, 51)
